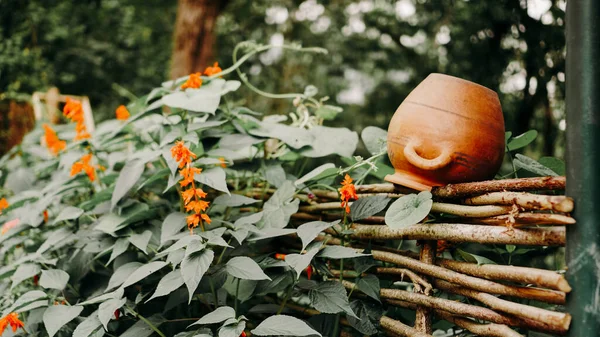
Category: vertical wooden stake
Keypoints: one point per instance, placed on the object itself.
(424, 315)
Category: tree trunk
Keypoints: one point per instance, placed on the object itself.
(194, 35)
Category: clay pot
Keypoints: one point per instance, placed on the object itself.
(447, 130)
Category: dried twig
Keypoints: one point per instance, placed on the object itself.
(420, 284)
(553, 236)
(558, 203)
(514, 185)
(470, 211)
(523, 220)
(519, 310)
(544, 295)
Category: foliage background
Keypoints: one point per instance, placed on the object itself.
(379, 51)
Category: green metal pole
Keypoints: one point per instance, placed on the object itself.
(583, 165)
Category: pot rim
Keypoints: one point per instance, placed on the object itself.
(458, 79)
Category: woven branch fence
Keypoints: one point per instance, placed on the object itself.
(526, 211)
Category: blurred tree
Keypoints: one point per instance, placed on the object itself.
(194, 35)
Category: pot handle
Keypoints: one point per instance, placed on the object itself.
(415, 159)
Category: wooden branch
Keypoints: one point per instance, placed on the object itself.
(515, 185)
(332, 216)
(490, 329)
(420, 284)
(558, 203)
(522, 220)
(423, 316)
(399, 328)
(525, 275)
(470, 211)
(520, 310)
(538, 277)
(463, 309)
(544, 295)
(553, 236)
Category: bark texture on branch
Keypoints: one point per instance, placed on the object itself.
(470, 211)
(538, 277)
(400, 328)
(523, 220)
(423, 316)
(514, 185)
(463, 309)
(548, 296)
(519, 310)
(489, 329)
(554, 236)
(558, 203)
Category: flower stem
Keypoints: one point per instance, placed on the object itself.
(145, 320)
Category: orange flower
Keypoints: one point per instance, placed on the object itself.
(215, 69)
(36, 280)
(280, 256)
(182, 154)
(11, 319)
(243, 334)
(223, 162)
(54, 144)
(196, 219)
(443, 245)
(45, 215)
(309, 271)
(194, 82)
(73, 110)
(188, 175)
(10, 225)
(197, 206)
(122, 113)
(85, 166)
(347, 192)
(188, 194)
(3, 204)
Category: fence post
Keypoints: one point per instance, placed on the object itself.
(583, 164)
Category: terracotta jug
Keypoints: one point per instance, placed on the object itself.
(447, 130)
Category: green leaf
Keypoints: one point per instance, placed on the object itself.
(510, 248)
(56, 316)
(141, 329)
(215, 178)
(317, 173)
(362, 264)
(292, 136)
(119, 248)
(169, 283)
(280, 207)
(25, 299)
(283, 325)
(310, 90)
(88, 326)
(172, 225)
(299, 262)
(244, 292)
(555, 164)
(234, 200)
(219, 315)
(268, 233)
(232, 330)
(143, 272)
(106, 310)
(194, 266)
(330, 297)
(375, 139)
(339, 252)
(275, 175)
(203, 99)
(409, 210)
(522, 140)
(141, 240)
(328, 141)
(328, 112)
(528, 164)
(370, 286)
(24, 272)
(68, 213)
(59, 236)
(507, 136)
(129, 175)
(54, 279)
(367, 314)
(310, 230)
(204, 125)
(474, 258)
(245, 268)
(369, 206)
(121, 274)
